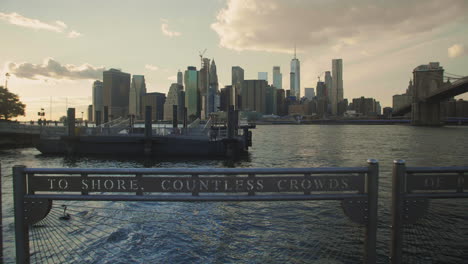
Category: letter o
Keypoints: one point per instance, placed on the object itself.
(178, 185)
(309, 184)
(108, 187)
(63, 184)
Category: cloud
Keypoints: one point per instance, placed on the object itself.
(19, 20)
(22, 21)
(456, 50)
(51, 68)
(172, 78)
(74, 34)
(151, 67)
(165, 29)
(276, 25)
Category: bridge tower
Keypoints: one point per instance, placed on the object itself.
(427, 79)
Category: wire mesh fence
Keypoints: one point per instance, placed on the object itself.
(441, 236)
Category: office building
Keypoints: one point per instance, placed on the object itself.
(116, 93)
(263, 76)
(337, 85)
(270, 100)
(254, 95)
(280, 102)
(295, 76)
(225, 98)
(90, 113)
(192, 94)
(237, 81)
(98, 102)
(329, 86)
(171, 100)
(180, 78)
(309, 93)
(321, 89)
(137, 90)
(203, 83)
(156, 101)
(277, 77)
(213, 89)
(365, 106)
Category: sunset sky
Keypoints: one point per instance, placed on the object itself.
(55, 49)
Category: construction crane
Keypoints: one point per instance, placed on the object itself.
(201, 57)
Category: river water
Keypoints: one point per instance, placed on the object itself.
(253, 232)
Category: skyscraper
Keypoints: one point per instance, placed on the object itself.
(156, 101)
(203, 83)
(90, 113)
(192, 94)
(212, 88)
(329, 86)
(171, 100)
(291, 84)
(254, 95)
(309, 93)
(137, 90)
(180, 78)
(277, 77)
(321, 90)
(296, 77)
(237, 81)
(337, 84)
(116, 92)
(98, 103)
(263, 76)
(270, 100)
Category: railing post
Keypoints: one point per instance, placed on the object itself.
(398, 191)
(372, 205)
(21, 228)
(71, 121)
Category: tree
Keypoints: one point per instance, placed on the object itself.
(10, 105)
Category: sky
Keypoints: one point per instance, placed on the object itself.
(55, 49)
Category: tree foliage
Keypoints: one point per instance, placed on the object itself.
(10, 105)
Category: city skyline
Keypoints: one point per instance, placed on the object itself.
(379, 57)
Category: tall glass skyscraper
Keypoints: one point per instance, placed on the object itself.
(212, 89)
(277, 77)
(116, 92)
(98, 103)
(192, 94)
(137, 90)
(337, 84)
(296, 81)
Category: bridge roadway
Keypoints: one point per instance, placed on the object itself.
(456, 88)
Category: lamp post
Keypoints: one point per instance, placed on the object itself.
(41, 115)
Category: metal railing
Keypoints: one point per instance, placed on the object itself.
(412, 188)
(355, 187)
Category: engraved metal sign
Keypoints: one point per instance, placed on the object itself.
(197, 184)
(437, 182)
